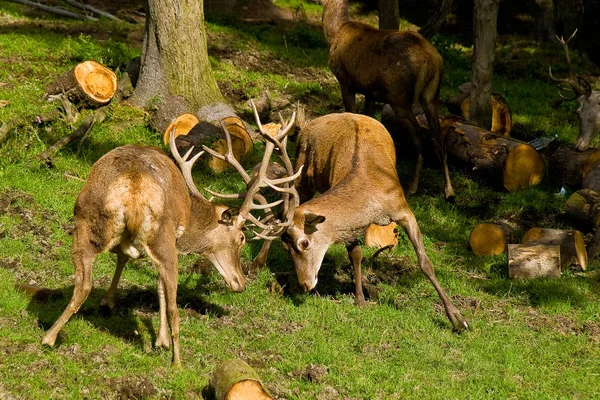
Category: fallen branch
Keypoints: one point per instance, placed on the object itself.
(93, 9)
(86, 125)
(54, 10)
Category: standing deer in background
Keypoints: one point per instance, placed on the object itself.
(137, 203)
(350, 159)
(589, 100)
(398, 68)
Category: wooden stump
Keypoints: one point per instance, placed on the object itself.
(583, 207)
(591, 173)
(566, 166)
(515, 164)
(501, 113)
(173, 111)
(491, 238)
(236, 380)
(572, 245)
(88, 84)
(381, 236)
(193, 132)
(533, 261)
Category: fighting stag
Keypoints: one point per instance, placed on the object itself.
(136, 203)
(589, 100)
(351, 160)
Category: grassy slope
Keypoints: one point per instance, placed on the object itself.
(535, 339)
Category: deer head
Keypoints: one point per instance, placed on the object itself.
(589, 100)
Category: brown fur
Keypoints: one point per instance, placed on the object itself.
(136, 203)
(398, 68)
(350, 160)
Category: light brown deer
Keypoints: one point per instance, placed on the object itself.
(398, 68)
(350, 159)
(589, 100)
(137, 203)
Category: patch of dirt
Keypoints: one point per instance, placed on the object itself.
(312, 373)
(132, 387)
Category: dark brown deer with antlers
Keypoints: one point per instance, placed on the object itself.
(589, 100)
(398, 68)
(350, 159)
(137, 203)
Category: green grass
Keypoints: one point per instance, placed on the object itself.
(534, 339)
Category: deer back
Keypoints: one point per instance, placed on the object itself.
(131, 192)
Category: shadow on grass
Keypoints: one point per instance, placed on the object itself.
(134, 312)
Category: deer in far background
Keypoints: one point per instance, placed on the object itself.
(136, 203)
(390, 66)
(589, 100)
(350, 159)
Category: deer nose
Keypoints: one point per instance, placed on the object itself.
(238, 284)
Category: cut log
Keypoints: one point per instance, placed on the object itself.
(88, 84)
(381, 236)
(533, 261)
(183, 124)
(515, 164)
(204, 133)
(583, 207)
(491, 238)
(172, 111)
(572, 245)
(566, 165)
(591, 176)
(236, 380)
(594, 246)
(501, 113)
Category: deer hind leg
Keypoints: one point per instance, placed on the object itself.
(408, 121)
(166, 259)
(110, 298)
(355, 255)
(431, 108)
(83, 257)
(407, 220)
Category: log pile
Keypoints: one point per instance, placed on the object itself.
(491, 238)
(514, 164)
(571, 243)
(569, 167)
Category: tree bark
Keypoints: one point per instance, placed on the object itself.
(236, 380)
(583, 207)
(572, 245)
(533, 261)
(514, 164)
(437, 19)
(389, 14)
(175, 59)
(567, 166)
(485, 16)
(544, 20)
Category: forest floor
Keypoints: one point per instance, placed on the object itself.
(528, 339)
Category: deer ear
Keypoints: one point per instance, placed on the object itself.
(311, 221)
(228, 215)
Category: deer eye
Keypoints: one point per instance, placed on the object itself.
(304, 244)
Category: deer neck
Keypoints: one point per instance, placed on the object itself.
(335, 14)
(203, 218)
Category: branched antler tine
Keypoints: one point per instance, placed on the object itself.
(256, 222)
(185, 165)
(571, 81)
(226, 195)
(259, 236)
(284, 131)
(287, 179)
(255, 206)
(214, 153)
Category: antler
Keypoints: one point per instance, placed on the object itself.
(579, 86)
(271, 227)
(185, 163)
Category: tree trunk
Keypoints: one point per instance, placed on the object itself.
(533, 261)
(491, 238)
(175, 59)
(510, 162)
(583, 207)
(236, 380)
(567, 166)
(572, 245)
(544, 20)
(485, 17)
(436, 20)
(389, 14)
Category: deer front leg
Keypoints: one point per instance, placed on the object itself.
(349, 98)
(110, 298)
(408, 121)
(369, 106)
(407, 220)
(83, 257)
(440, 145)
(355, 254)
